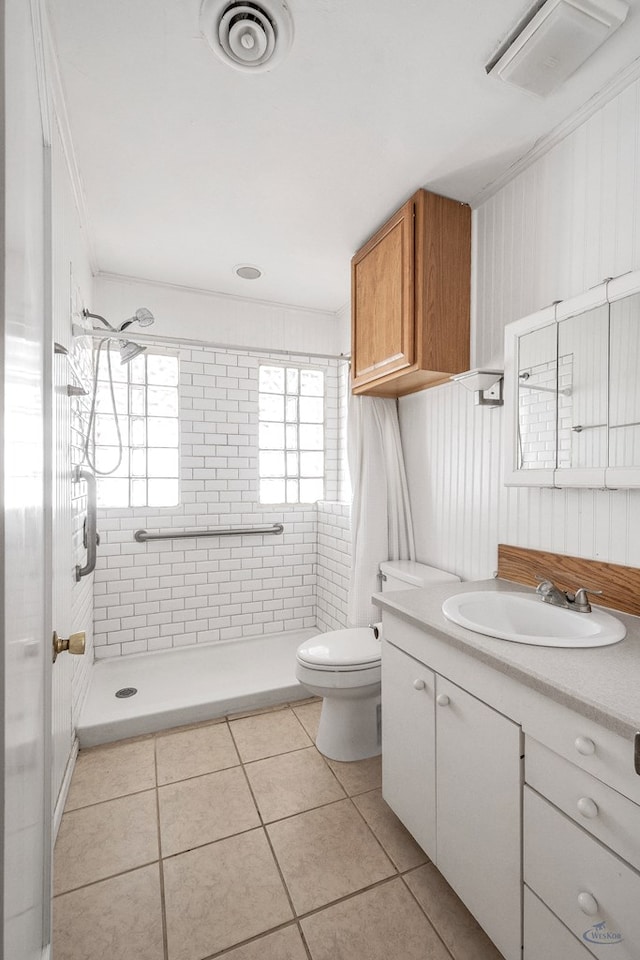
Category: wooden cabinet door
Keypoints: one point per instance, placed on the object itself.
(408, 744)
(382, 283)
(479, 812)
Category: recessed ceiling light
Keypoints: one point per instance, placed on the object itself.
(247, 272)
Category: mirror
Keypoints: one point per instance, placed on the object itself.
(624, 394)
(572, 390)
(583, 347)
(537, 379)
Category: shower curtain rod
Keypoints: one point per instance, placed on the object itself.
(186, 342)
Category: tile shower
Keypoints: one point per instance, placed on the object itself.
(167, 594)
(196, 627)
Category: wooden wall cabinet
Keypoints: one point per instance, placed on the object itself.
(410, 292)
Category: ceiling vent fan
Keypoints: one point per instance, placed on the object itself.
(555, 39)
(247, 35)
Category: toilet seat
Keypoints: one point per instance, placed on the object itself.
(355, 649)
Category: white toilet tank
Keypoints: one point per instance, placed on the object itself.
(405, 574)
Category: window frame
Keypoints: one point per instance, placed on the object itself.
(128, 417)
(298, 450)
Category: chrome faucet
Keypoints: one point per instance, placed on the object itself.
(578, 601)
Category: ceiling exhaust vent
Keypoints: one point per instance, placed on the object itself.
(248, 36)
(555, 42)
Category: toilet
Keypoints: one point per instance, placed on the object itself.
(344, 668)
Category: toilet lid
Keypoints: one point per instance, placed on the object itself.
(338, 648)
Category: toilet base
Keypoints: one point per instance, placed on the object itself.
(350, 728)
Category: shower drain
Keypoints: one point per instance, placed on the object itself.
(125, 692)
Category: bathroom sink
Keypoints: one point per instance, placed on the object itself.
(524, 618)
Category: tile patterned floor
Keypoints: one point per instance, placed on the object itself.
(237, 840)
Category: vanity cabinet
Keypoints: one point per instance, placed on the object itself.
(529, 808)
(410, 297)
(451, 771)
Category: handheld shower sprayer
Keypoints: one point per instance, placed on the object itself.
(128, 351)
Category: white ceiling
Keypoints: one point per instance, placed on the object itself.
(190, 167)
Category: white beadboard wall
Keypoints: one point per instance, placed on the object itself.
(150, 596)
(561, 226)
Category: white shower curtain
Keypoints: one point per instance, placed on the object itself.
(381, 527)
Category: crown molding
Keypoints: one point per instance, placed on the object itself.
(203, 292)
(620, 82)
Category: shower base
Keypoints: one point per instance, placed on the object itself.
(189, 684)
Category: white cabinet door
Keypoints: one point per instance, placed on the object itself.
(408, 744)
(479, 812)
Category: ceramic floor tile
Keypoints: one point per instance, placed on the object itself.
(193, 752)
(268, 735)
(112, 771)
(203, 809)
(108, 838)
(394, 837)
(116, 919)
(463, 936)
(326, 854)
(359, 776)
(284, 944)
(309, 716)
(219, 895)
(291, 783)
(380, 924)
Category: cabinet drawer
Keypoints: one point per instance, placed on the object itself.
(592, 891)
(545, 937)
(602, 811)
(601, 752)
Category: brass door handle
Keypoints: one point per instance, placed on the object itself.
(75, 643)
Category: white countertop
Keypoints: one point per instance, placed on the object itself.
(602, 683)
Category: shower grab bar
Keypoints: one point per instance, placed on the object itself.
(91, 532)
(142, 536)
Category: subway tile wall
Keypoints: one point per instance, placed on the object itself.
(334, 565)
(151, 596)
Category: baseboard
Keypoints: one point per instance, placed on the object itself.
(64, 790)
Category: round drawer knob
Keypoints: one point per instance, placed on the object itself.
(585, 746)
(588, 904)
(442, 700)
(588, 807)
(419, 684)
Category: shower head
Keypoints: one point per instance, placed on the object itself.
(143, 316)
(129, 350)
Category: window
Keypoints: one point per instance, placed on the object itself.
(146, 398)
(291, 434)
